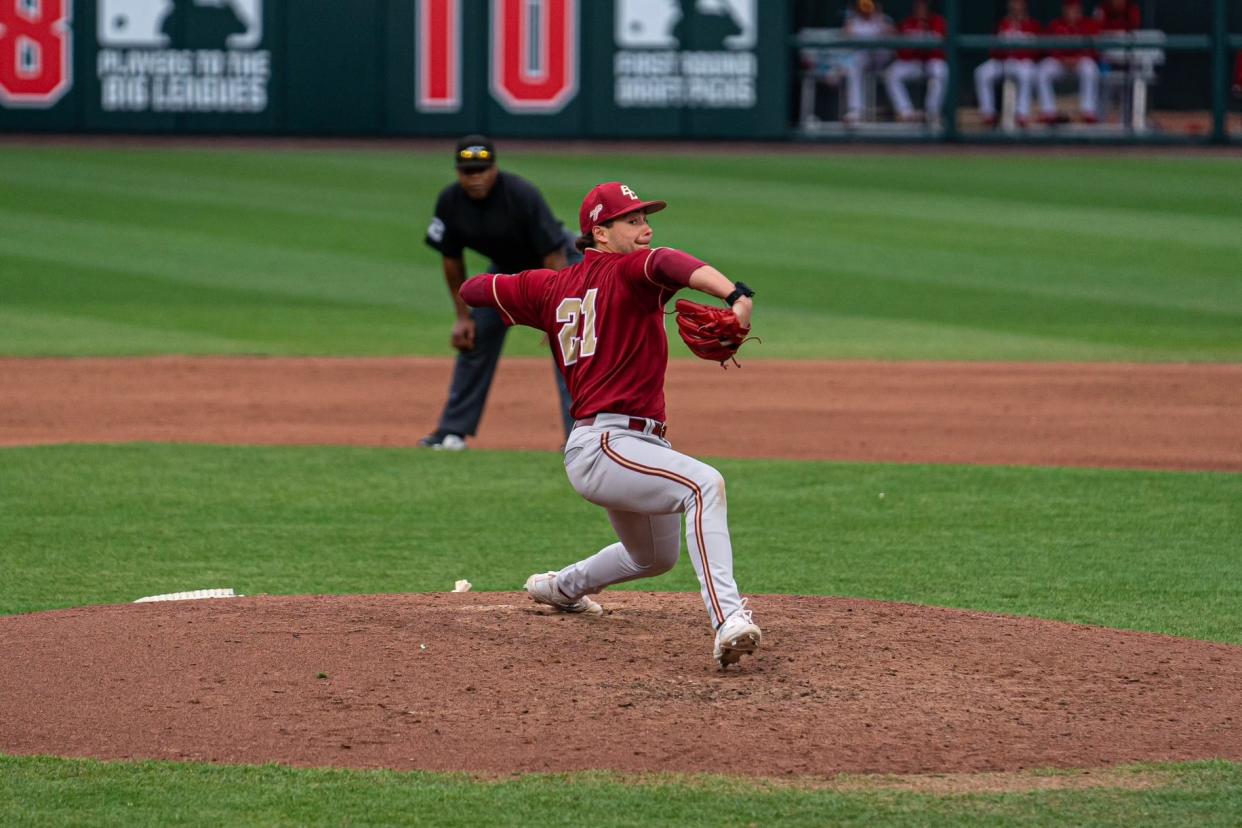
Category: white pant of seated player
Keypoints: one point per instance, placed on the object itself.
(646, 486)
(1051, 70)
(992, 70)
(857, 66)
(936, 72)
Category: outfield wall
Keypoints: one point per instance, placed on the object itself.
(719, 69)
(556, 68)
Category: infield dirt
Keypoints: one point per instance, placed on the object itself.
(490, 683)
(1173, 417)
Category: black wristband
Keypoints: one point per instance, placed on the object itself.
(740, 289)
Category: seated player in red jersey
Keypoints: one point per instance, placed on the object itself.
(1017, 63)
(1118, 16)
(918, 64)
(1081, 61)
(604, 318)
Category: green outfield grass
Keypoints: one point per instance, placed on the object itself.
(42, 792)
(106, 524)
(142, 251)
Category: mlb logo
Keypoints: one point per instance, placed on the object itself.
(652, 24)
(132, 22)
(141, 23)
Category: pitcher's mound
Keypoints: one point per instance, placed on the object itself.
(490, 682)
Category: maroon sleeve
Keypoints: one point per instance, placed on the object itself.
(517, 297)
(670, 268)
(477, 291)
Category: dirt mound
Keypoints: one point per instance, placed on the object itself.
(488, 682)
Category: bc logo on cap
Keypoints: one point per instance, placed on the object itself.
(625, 190)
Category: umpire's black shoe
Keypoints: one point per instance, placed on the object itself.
(444, 442)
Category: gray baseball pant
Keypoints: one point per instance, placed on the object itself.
(646, 487)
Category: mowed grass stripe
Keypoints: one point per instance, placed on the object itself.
(192, 318)
(86, 525)
(1040, 257)
(212, 197)
(1125, 272)
(44, 791)
(368, 224)
(988, 215)
(44, 333)
(1187, 184)
(197, 259)
(804, 335)
(1003, 311)
(967, 260)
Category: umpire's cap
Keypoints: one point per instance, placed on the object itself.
(607, 201)
(475, 152)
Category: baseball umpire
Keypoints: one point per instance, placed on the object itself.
(505, 218)
(604, 318)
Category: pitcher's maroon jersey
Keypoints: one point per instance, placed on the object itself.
(604, 318)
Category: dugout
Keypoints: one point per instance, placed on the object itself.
(1167, 82)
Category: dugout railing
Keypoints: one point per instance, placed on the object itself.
(1138, 54)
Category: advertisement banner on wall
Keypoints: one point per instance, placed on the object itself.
(671, 55)
(182, 56)
(672, 61)
(160, 58)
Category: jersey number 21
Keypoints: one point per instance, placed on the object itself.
(577, 333)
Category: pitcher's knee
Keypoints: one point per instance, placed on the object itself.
(711, 488)
(665, 561)
(661, 561)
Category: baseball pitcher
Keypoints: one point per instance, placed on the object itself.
(604, 318)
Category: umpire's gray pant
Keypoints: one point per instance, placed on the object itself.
(473, 374)
(475, 369)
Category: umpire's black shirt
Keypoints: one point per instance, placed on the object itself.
(513, 226)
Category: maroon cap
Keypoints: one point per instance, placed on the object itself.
(607, 201)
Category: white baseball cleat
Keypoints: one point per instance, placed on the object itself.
(739, 635)
(542, 589)
(444, 442)
(452, 442)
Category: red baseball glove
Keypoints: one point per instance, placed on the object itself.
(711, 333)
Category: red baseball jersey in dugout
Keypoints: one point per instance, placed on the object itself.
(604, 318)
(931, 25)
(1018, 31)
